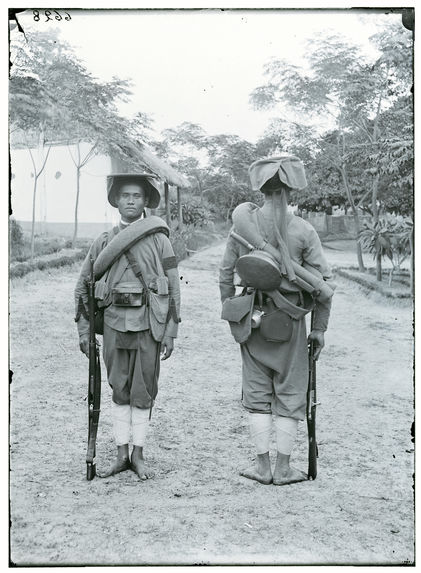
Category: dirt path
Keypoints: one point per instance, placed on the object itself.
(198, 509)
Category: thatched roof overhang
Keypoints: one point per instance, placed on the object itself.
(139, 154)
(133, 155)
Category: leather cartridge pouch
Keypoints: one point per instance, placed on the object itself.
(159, 302)
(237, 310)
(276, 326)
(128, 294)
(158, 314)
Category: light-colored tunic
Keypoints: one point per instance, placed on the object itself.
(131, 334)
(275, 373)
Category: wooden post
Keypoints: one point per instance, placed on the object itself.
(167, 204)
(180, 208)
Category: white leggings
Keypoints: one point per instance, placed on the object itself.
(261, 430)
(129, 419)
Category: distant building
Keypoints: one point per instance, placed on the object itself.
(56, 189)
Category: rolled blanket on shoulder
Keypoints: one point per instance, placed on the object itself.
(307, 277)
(125, 239)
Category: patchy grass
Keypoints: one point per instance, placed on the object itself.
(55, 252)
(398, 289)
(62, 258)
(43, 246)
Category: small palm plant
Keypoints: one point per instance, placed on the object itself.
(391, 237)
(375, 238)
(401, 243)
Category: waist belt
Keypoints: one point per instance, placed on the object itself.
(284, 302)
(292, 297)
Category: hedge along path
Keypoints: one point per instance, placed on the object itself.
(380, 287)
(198, 509)
(52, 261)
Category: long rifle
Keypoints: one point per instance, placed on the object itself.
(311, 410)
(94, 385)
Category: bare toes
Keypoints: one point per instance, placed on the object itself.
(255, 475)
(293, 476)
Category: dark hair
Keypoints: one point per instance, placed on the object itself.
(272, 185)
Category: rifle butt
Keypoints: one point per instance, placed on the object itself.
(90, 471)
(312, 460)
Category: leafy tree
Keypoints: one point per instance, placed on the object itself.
(217, 163)
(71, 106)
(344, 89)
(223, 196)
(182, 146)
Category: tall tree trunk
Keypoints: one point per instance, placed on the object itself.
(43, 159)
(76, 205)
(179, 208)
(378, 267)
(229, 209)
(199, 183)
(79, 164)
(374, 194)
(167, 204)
(375, 211)
(360, 260)
(34, 194)
(354, 210)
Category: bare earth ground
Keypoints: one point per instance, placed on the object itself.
(198, 509)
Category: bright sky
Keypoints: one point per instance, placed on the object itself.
(186, 65)
(201, 65)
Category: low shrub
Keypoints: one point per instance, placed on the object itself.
(195, 212)
(20, 269)
(16, 239)
(191, 239)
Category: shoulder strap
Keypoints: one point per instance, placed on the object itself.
(110, 235)
(136, 269)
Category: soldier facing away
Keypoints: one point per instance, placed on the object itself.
(139, 294)
(268, 318)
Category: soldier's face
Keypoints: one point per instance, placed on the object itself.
(131, 201)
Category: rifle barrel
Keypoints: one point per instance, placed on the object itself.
(94, 382)
(311, 409)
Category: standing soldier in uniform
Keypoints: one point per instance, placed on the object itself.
(268, 321)
(140, 297)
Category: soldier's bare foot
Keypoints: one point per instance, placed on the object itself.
(262, 472)
(119, 465)
(138, 464)
(288, 476)
(284, 474)
(254, 473)
(140, 468)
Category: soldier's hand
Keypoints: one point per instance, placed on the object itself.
(318, 337)
(167, 346)
(84, 344)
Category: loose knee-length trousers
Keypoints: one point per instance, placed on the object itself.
(275, 374)
(131, 371)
